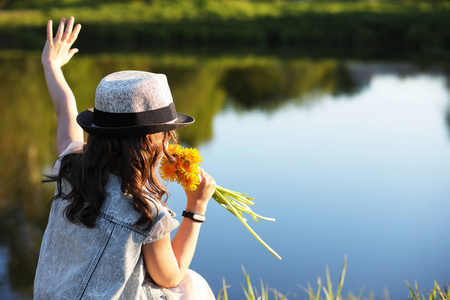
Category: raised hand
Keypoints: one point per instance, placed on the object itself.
(57, 53)
(57, 50)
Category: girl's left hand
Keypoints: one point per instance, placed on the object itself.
(57, 50)
(198, 200)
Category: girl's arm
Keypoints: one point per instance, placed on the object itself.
(57, 53)
(167, 262)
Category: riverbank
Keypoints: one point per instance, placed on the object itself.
(332, 291)
(336, 28)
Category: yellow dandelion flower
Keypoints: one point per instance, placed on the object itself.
(168, 171)
(185, 169)
(173, 149)
(189, 168)
(190, 181)
(193, 156)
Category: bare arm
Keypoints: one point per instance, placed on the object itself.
(167, 262)
(57, 53)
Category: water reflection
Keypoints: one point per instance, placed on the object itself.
(269, 86)
(201, 87)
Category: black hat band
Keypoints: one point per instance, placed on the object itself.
(157, 116)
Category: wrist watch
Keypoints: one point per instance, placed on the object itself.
(193, 216)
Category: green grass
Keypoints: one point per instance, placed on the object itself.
(181, 11)
(437, 293)
(327, 292)
(377, 27)
(251, 292)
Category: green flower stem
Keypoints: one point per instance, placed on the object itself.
(243, 197)
(237, 204)
(224, 201)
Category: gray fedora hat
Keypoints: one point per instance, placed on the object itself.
(132, 103)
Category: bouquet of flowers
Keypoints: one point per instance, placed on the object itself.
(185, 171)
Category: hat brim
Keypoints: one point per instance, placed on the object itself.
(84, 119)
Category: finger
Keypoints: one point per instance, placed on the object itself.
(60, 31)
(69, 27)
(74, 34)
(205, 174)
(201, 175)
(211, 180)
(50, 31)
(208, 178)
(72, 52)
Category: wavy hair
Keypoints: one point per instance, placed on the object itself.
(133, 160)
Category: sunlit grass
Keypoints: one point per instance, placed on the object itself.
(378, 28)
(251, 292)
(325, 291)
(437, 293)
(175, 11)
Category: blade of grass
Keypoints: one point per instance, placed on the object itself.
(341, 280)
(249, 294)
(441, 294)
(330, 285)
(223, 290)
(319, 284)
(411, 291)
(326, 293)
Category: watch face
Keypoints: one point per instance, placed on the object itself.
(199, 218)
(193, 216)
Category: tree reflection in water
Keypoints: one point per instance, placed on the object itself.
(270, 85)
(201, 87)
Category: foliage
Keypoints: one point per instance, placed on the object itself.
(200, 85)
(22, 196)
(376, 27)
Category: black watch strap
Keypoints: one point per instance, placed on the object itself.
(193, 216)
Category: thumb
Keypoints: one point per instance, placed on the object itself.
(72, 52)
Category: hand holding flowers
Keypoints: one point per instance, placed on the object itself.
(197, 200)
(185, 169)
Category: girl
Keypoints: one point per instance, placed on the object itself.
(108, 234)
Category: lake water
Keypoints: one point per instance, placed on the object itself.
(351, 159)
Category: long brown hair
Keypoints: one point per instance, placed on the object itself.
(133, 160)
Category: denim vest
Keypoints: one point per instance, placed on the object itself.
(104, 262)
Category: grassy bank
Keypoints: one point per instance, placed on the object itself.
(326, 291)
(375, 28)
